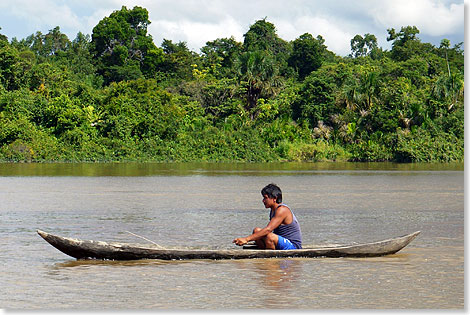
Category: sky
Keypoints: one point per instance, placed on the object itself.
(199, 21)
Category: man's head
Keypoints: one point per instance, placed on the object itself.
(272, 191)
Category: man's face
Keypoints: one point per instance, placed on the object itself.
(268, 202)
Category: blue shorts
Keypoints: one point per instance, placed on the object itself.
(284, 243)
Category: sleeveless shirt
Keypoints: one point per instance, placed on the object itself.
(290, 231)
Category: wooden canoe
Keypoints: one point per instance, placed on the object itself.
(81, 249)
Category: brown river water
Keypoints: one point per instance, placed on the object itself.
(206, 205)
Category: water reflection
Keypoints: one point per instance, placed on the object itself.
(274, 274)
(212, 169)
(113, 263)
(108, 263)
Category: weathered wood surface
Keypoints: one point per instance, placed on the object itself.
(81, 249)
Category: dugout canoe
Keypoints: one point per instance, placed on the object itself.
(82, 249)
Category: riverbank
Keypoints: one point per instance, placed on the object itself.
(246, 146)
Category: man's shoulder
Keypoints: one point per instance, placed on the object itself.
(283, 210)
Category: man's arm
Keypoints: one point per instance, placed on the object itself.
(278, 218)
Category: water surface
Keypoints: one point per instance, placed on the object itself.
(207, 205)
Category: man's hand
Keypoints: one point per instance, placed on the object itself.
(240, 241)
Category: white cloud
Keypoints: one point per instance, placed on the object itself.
(336, 36)
(432, 17)
(197, 22)
(42, 12)
(196, 34)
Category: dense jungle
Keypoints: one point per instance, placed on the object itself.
(115, 95)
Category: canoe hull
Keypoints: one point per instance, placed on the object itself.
(81, 249)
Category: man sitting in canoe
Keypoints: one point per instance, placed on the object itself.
(283, 229)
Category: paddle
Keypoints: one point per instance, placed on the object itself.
(161, 247)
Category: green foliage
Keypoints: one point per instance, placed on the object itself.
(364, 46)
(258, 71)
(116, 96)
(406, 44)
(10, 67)
(24, 141)
(223, 54)
(3, 38)
(262, 37)
(178, 61)
(307, 54)
(312, 152)
(370, 150)
(122, 48)
(139, 109)
(316, 101)
(422, 146)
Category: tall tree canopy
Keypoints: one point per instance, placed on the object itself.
(363, 46)
(223, 52)
(262, 37)
(121, 46)
(307, 54)
(406, 44)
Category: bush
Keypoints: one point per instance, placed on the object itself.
(370, 151)
(312, 152)
(21, 140)
(420, 146)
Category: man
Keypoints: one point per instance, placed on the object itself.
(283, 229)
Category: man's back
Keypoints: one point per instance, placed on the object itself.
(291, 231)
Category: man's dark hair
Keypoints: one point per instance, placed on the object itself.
(272, 191)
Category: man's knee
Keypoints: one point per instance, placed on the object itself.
(272, 237)
(271, 241)
(256, 229)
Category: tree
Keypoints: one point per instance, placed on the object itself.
(121, 47)
(456, 57)
(55, 41)
(360, 90)
(262, 37)
(307, 54)
(449, 89)
(445, 44)
(363, 46)
(45, 46)
(223, 52)
(10, 70)
(316, 98)
(178, 60)
(34, 42)
(259, 72)
(406, 44)
(79, 56)
(3, 37)
(406, 34)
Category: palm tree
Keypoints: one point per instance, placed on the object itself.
(449, 89)
(258, 70)
(349, 95)
(445, 43)
(359, 93)
(368, 87)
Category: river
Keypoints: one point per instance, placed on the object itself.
(207, 205)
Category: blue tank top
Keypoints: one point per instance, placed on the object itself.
(290, 231)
